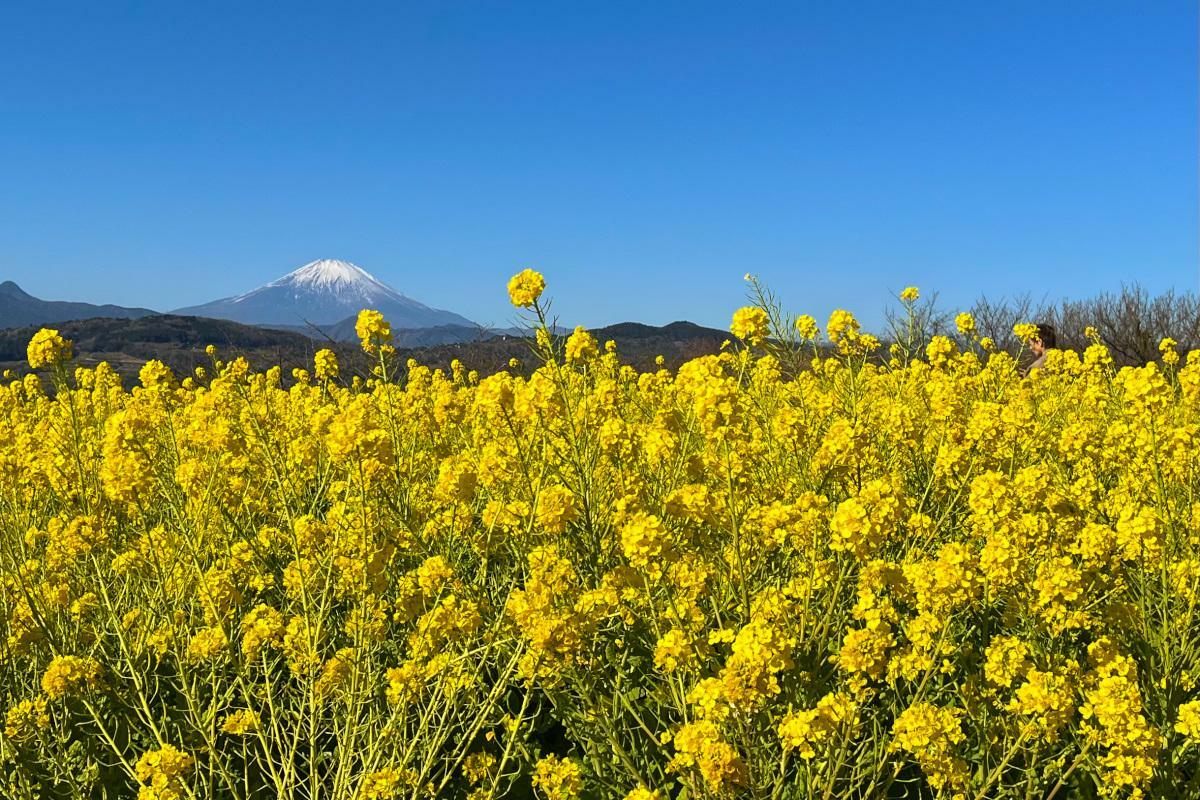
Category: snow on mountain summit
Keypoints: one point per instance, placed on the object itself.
(324, 292)
(332, 275)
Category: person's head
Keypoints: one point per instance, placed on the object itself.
(1044, 340)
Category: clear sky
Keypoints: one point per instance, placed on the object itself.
(643, 155)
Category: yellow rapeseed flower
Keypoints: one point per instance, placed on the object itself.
(48, 348)
(526, 287)
(1025, 331)
(1187, 721)
(69, 674)
(558, 779)
(581, 346)
(373, 330)
(750, 324)
(325, 365)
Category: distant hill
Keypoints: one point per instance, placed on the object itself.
(674, 331)
(19, 308)
(179, 342)
(321, 293)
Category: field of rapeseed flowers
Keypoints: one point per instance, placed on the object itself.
(811, 566)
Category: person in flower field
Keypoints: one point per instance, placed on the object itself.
(1040, 345)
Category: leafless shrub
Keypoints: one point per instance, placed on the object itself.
(912, 331)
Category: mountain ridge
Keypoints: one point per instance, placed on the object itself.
(324, 292)
(18, 308)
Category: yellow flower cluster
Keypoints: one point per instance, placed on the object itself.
(70, 674)
(1114, 720)
(374, 332)
(161, 773)
(700, 745)
(1188, 722)
(384, 784)
(1025, 331)
(526, 287)
(807, 327)
(240, 723)
(855, 572)
(642, 793)
(325, 365)
(581, 346)
(805, 731)
(26, 719)
(558, 778)
(932, 735)
(47, 348)
(751, 324)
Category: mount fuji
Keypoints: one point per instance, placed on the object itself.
(322, 293)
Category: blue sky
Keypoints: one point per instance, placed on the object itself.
(643, 155)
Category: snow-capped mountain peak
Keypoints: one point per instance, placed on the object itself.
(324, 292)
(332, 275)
